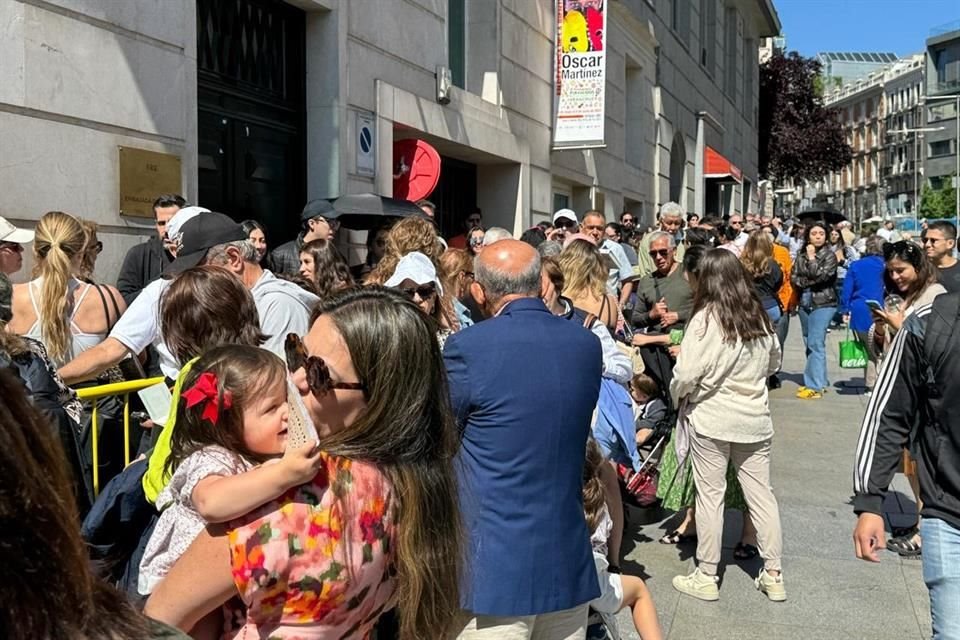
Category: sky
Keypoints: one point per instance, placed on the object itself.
(898, 26)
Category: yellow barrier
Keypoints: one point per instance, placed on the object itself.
(102, 391)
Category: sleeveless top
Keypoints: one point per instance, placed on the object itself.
(79, 341)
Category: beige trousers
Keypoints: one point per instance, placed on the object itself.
(752, 462)
(570, 624)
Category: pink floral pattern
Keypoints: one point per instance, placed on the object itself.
(316, 563)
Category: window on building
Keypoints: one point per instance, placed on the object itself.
(680, 20)
(708, 35)
(731, 41)
(942, 111)
(750, 69)
(634, 129)
(457, 41)
(940, 148)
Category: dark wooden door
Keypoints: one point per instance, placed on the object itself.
(455, 195)
(251, 112)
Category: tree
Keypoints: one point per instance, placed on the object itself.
(938, 203)
(800, 139)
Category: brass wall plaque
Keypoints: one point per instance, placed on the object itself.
(144, 175)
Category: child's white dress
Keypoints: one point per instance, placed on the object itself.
(179, 522)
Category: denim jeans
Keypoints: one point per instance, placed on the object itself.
(941, 573)
(814, 323)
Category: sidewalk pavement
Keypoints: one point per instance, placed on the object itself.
(830, 593)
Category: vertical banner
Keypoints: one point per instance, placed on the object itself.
(580, 80)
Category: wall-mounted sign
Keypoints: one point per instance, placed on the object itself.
(143, 176)
(366, 152)
(580, 74)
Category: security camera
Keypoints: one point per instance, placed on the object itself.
(444, 81)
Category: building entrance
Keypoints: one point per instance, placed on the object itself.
(251, 112)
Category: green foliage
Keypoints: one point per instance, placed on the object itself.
(938, 203)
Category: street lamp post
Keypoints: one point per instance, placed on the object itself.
(956, 149)
(916, 167)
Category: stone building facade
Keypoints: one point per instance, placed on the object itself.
(263, 101)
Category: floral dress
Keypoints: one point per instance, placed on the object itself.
(316, 563)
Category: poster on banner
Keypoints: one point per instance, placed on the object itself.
(580, 75)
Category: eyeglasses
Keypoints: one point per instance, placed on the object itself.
(932, 240)
(901, 248)
(626, 220)
(476, 242)
(318, 374)
(564, 223)
(662, 253)
(425, 291)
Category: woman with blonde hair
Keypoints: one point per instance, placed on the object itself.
(457, 267)
(55, 307)
(585, 281)
(416, 235)
(407, 236)
(757, 259)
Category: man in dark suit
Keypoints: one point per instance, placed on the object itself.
(524, 385)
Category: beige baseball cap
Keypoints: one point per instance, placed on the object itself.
(10, 233)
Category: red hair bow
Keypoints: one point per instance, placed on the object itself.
(205, 390)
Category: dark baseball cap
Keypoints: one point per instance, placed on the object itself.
(199, 235)
(318, 207)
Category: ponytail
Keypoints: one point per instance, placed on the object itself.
(59, 238)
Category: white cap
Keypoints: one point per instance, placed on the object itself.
(180, 218)
(569, 214)
(416, 267)
(10, 233)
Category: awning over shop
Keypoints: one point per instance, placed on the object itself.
(716, 166)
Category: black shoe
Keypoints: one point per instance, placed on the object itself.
(773, 382)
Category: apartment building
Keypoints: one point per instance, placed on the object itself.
(943, 99)
(260, 105)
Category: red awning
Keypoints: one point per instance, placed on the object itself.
(716, 166)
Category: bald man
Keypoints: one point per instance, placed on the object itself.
(523, 385)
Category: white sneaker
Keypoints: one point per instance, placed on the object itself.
(699, 585)
(772, 586)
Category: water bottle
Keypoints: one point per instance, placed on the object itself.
(892, 303)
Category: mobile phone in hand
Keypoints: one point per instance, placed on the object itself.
(874, 305)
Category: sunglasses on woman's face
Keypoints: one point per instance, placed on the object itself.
(318, 374)
(425, 291)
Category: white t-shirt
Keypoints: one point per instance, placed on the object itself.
(139, 326)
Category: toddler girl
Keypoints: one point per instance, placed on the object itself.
(231, 417)
(616, 590)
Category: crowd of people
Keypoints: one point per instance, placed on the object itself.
(483, 408)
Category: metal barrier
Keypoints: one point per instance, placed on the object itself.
(102, 391)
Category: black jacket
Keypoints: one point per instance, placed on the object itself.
(916, 399)
(142, 265)
(285, 259)
(816, 279)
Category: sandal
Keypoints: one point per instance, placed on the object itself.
(745, 551)
(906, 546)
(675, 537)
(904, 532)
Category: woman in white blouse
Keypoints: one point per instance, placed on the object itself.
(728, 351)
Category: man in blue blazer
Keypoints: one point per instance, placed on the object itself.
(524, 385)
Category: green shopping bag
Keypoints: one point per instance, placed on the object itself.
(853, 353)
